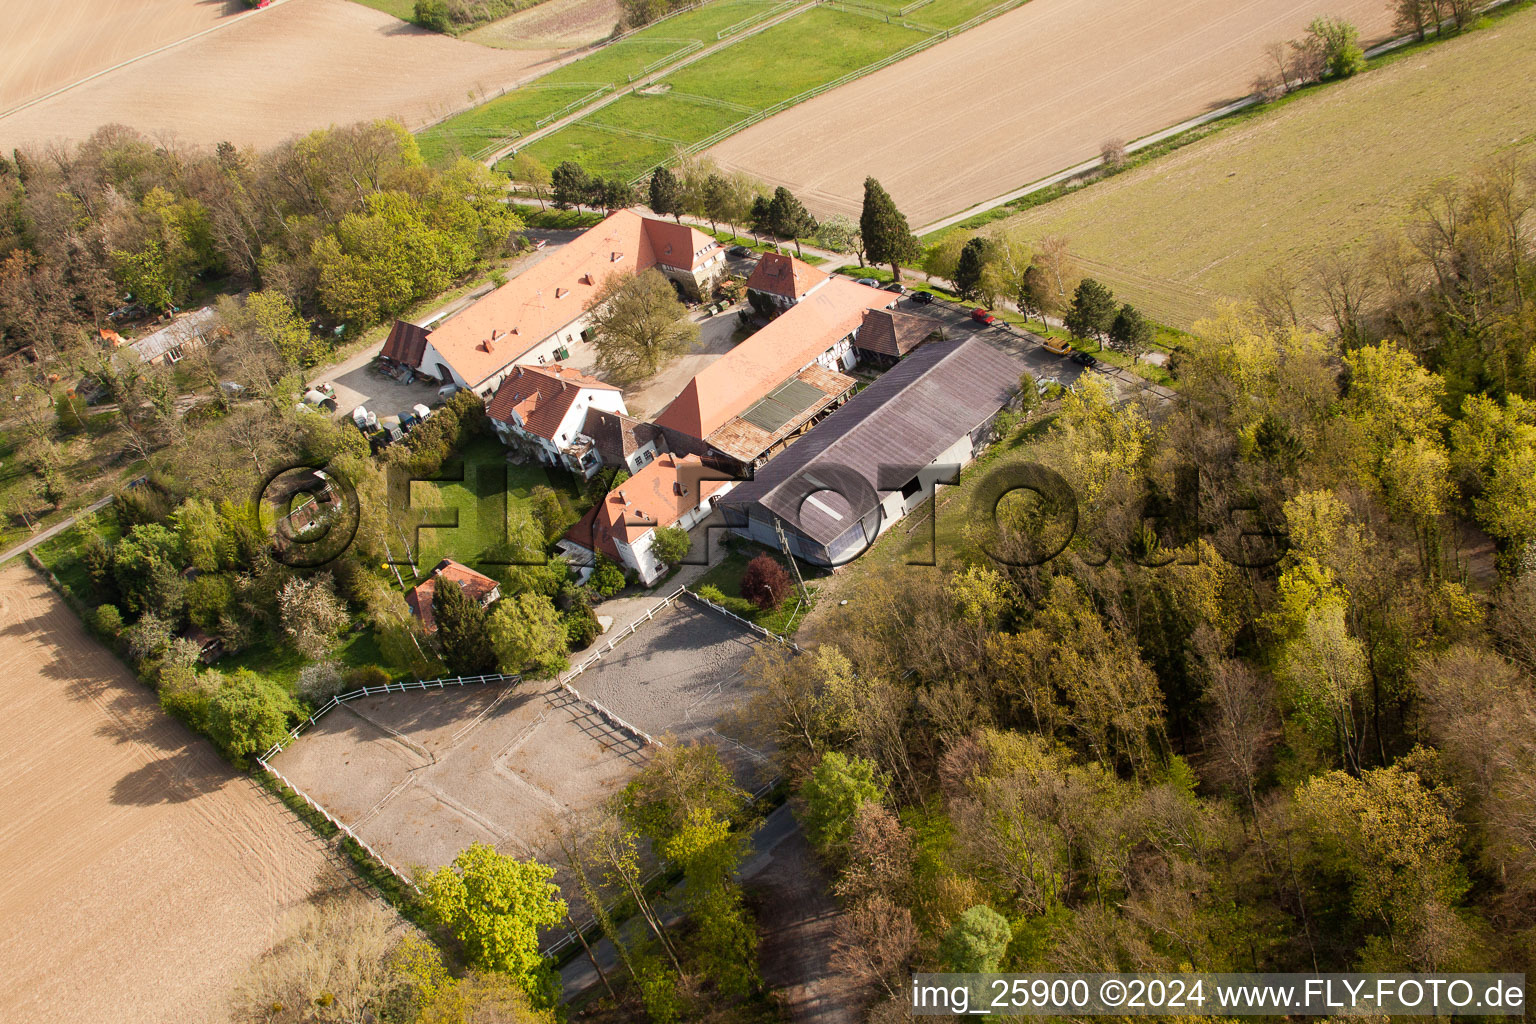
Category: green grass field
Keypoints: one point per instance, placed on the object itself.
(752, 74)
(483, 500)
(482, 128)
(761, 70)
(1327, 170)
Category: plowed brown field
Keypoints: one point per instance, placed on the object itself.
(1026, 94)
(139, 874)
(552, 24)
(294, 67)
(45, 44)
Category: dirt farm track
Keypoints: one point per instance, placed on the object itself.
(1027, 94)
(255, 79)
(139, 874)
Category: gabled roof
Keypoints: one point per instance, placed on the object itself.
(895, 334)
(778, 274)
(618, 436)
(659, 495)
(405, 344)
(542, 395)
(678, 245)
(476, 586)
(556, 290)
(729, 385)
(908, 417)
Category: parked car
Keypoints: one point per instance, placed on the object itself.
(869, 282)
(1044, 384)
(983, 316)
(1084, 359)
(539, 243)
(447, 391)
(922, 298)
(739, 250)
(234, 389)
(1057, 347)
(894, 286)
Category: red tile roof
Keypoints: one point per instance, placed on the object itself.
(783, 275)
(656, 497)
(542, 395)
(556, 290)
(730, 384)
(476, 586)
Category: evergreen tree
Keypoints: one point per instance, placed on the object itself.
(1130, 332)
(760, 217)
(462, 633)
(615, 193)
(887, 238)
(973, 260)
(665, 194)
(570, 185)
(789, 218)
(1092, 312)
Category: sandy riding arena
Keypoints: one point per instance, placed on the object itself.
(1027, 94)
(421, 775)
(139, 874)
(294, 67)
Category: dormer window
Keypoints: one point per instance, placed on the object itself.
(615, 257)
(561, 293)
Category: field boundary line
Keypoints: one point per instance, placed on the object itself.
(635, 86)
(935, 37)
(1162, 135)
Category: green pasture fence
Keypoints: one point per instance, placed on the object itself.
(938, 36)
(573, 105)
(689, 46)
(753, 19)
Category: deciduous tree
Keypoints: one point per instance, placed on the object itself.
(495, 905)
(528, 634)
(639, 326)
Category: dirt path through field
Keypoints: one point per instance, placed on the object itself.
(1031, 92)
(291, 68)
(139, 874)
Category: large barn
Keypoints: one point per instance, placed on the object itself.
(876, 458)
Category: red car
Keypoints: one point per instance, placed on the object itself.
(983, 316)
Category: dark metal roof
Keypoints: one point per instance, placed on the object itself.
(405, 344)
(908, 417)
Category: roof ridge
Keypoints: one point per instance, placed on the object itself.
(841, 438)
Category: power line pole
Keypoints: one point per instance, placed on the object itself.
(778, 526)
